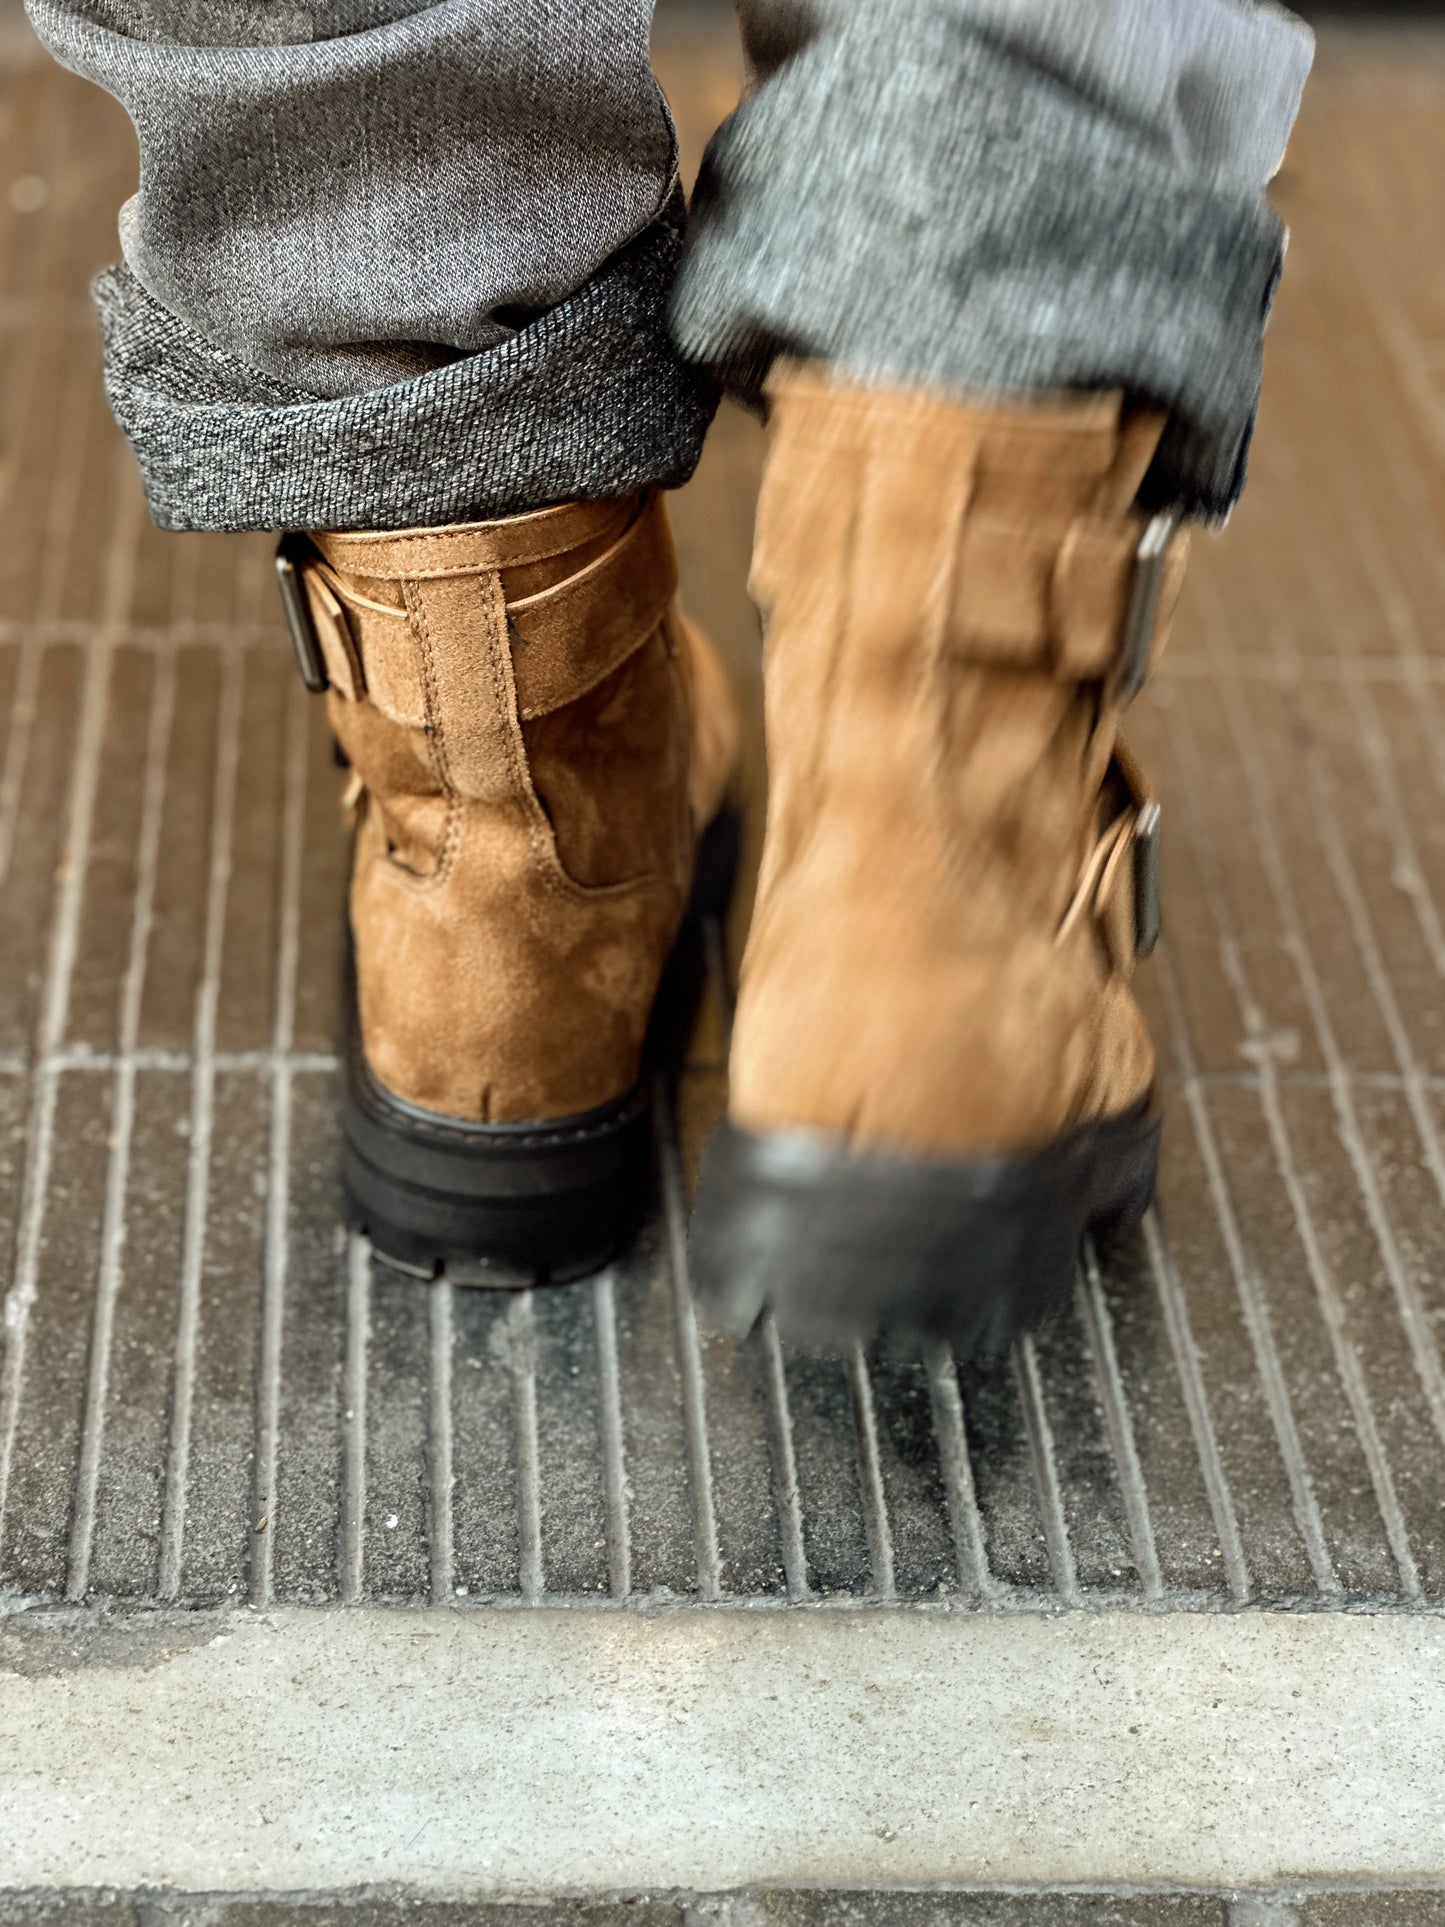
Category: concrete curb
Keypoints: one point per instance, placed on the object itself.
(506, 1753)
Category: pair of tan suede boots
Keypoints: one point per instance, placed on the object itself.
(940, 1080)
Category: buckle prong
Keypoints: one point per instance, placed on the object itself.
(1148, 586)
(292, 553)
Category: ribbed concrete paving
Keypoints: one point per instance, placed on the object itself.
(207, 1398)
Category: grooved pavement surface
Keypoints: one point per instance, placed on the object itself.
(207, 1395)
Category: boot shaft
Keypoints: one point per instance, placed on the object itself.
(516, 701)
(957, 614)
(946, 587)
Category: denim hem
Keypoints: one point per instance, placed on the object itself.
(587, 402)
(929, 206)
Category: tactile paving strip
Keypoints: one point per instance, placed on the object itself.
(207, 1395)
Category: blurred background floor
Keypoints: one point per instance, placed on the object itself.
(208, 1397)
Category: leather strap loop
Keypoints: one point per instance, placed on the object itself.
(367, 646)
(332, 630)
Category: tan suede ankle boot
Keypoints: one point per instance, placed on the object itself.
(939, 1076)
(537, 740)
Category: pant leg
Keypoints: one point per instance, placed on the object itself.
(392, 262)
(1007, 194)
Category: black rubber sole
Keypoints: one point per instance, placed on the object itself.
(845, 1247)
(502, 1205)
(510, 1206)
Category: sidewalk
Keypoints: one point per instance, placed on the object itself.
(1156, 1608)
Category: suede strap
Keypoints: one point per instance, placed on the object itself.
(470, 547)
(1040, 596)
(1108, 888)
(564, 639)
(567, 638)
(1033, 501)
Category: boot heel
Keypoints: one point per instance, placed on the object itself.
(506, 1206)
(843, 1246)
(501, 1205)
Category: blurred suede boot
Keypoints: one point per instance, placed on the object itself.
(537, 740)
(940, 1079)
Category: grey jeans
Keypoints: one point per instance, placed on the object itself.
(404, 262)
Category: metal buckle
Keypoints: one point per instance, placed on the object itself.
(293, 552)
(1146, 879)
(1131, 792)
(1148, 585)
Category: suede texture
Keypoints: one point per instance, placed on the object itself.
(517, 703)
(935, 964)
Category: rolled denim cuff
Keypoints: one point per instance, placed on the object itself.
(915, 201)
(588, 402)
